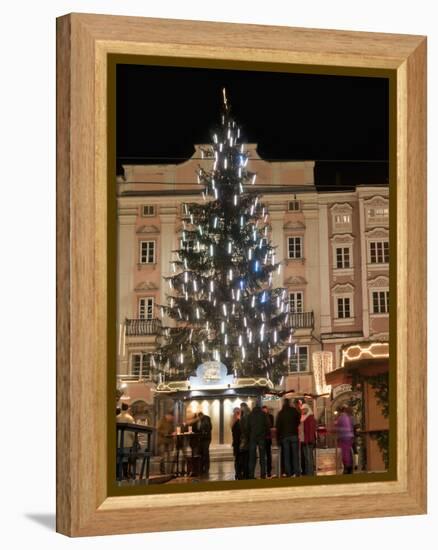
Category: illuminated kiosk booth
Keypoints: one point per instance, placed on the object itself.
(362, 364)
(212, 391)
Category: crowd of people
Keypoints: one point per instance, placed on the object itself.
(295, 432)
(254, 430)
(253, 433)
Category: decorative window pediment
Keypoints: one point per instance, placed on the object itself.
(379, 282)
(345, 288)
(343, 238)
(377, 233)
(146, 285)
(148, 230)
(377, 201)
(295, 280)
(295, 225)
(341, 208)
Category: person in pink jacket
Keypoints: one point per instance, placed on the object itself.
(345, 432)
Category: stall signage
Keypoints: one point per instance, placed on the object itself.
(211, 373)
(342, 388)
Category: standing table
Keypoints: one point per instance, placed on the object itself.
(145, 453)
(180, 441)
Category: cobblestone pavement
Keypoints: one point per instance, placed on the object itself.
(224, 472)
(222, 468)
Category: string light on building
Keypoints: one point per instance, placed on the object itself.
(371, 350)
(322, 362)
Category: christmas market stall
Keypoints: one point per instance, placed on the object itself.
(213, 392)
(362, 383)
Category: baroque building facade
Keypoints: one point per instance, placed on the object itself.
(333, 246)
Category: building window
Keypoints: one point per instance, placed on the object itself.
(294, 206)
(146, 308)
(147, 252)
(342, 216)
(139, 364)
(296, 302)
(188, 244)
(380, 299)
(148, 210)
(343, 304)
(379, 215)
(299, 360)
(342, 219)
(343, 257)
(379, 252)
(344, 308)
(295, 247)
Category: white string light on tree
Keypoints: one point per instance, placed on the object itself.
(221, 295)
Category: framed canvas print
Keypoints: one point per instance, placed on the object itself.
(241, 274)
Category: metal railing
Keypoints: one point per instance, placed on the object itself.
(145, 327)
(142, 327)
(145, 374)
(301, 320)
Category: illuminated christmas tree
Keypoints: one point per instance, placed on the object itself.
(220, 294)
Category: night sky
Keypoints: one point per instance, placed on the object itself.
(340, 122)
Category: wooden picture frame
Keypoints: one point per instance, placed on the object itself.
(84, 43)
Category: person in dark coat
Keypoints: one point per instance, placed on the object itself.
(235, 434)
(268, 441)
(258, 429)
(287, 423)
(203, 427)
(243, 460)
